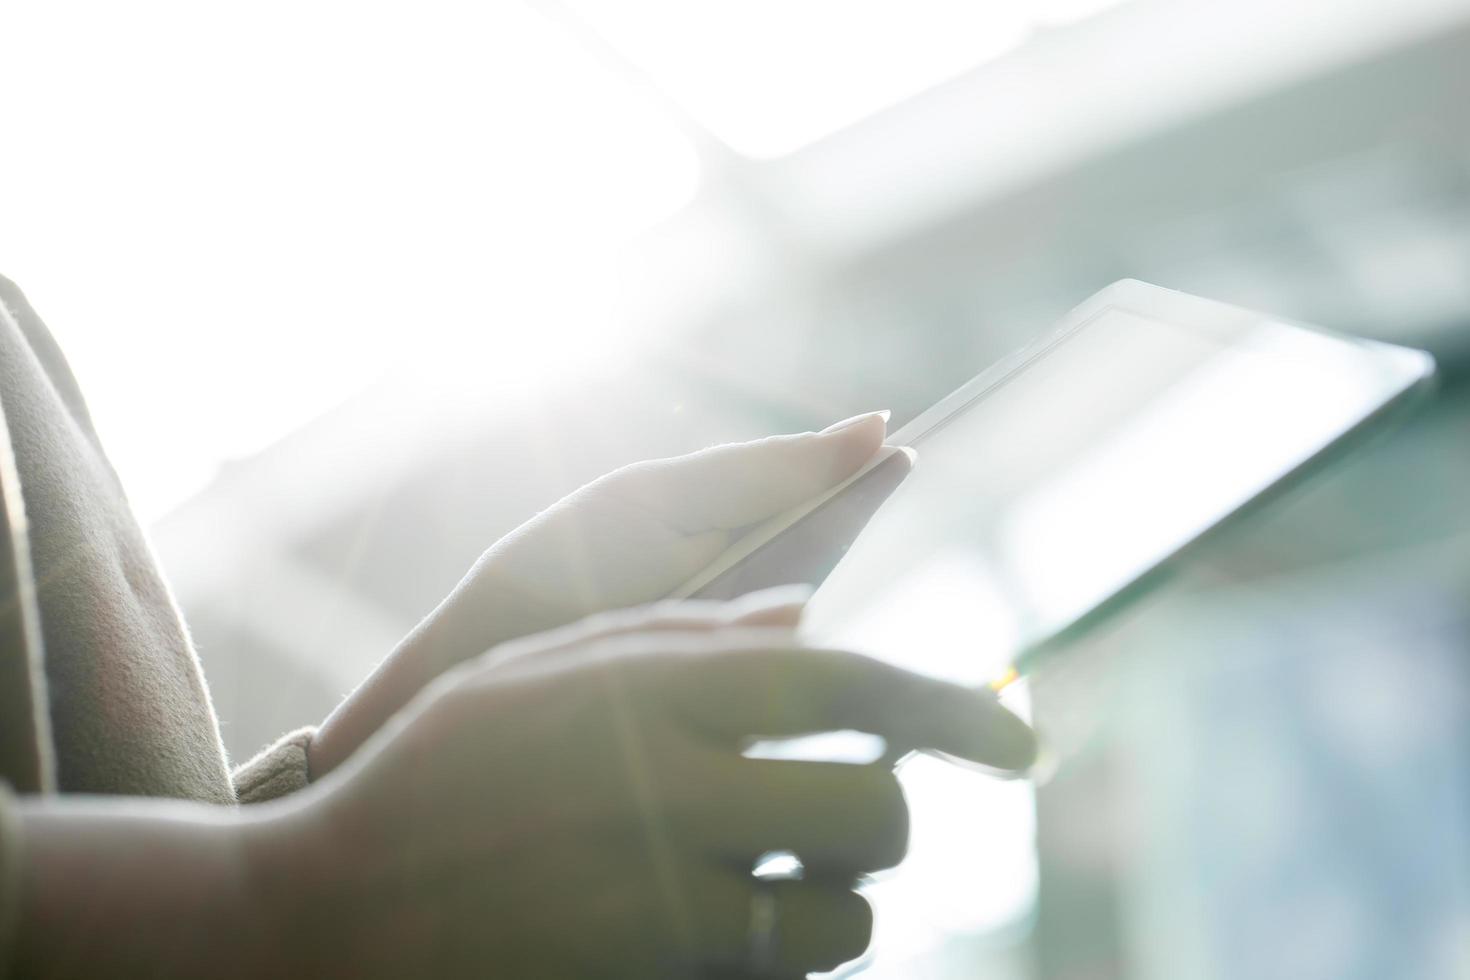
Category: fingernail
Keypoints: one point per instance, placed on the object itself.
(773, 597)
(885, 415)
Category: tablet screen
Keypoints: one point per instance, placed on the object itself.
(1046, 491)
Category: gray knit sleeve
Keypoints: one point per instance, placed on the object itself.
(276, 770)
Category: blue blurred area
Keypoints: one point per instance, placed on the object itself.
(1274, 781)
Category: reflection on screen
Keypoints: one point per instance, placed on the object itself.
(1107, 453)
(1025, 510)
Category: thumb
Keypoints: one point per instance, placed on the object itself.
(730, 486)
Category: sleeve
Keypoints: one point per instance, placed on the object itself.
(9, 877)
(276, 770)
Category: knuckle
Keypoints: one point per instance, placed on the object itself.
(841, 929)
(696, 790)
(633, 482)
(890, 819)
(650, 615)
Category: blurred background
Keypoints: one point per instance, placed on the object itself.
(354, 288)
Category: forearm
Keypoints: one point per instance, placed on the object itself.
(123, 888)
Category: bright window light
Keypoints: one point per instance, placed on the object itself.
(770, 76)
(233, 217)
(1058, 12)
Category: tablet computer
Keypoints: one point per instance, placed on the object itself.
(1038, 498)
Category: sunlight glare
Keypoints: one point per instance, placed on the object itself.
(235, 218)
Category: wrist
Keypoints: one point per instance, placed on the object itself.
(289, 867)
(137, 888)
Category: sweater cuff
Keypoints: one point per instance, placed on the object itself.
(276, 770)
(10, 858)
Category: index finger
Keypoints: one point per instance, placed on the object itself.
(781, 691)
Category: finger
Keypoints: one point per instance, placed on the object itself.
(698, 617)
(737, 484)
(839, 819)
(773, 690)
(814, 925)
(777, 608)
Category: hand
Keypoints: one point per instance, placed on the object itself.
(637, 533)
(576, 804)
(625, 539)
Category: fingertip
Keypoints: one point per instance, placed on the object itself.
(974, 730)
(866, 419)
(1012, 743)
(780, 605)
